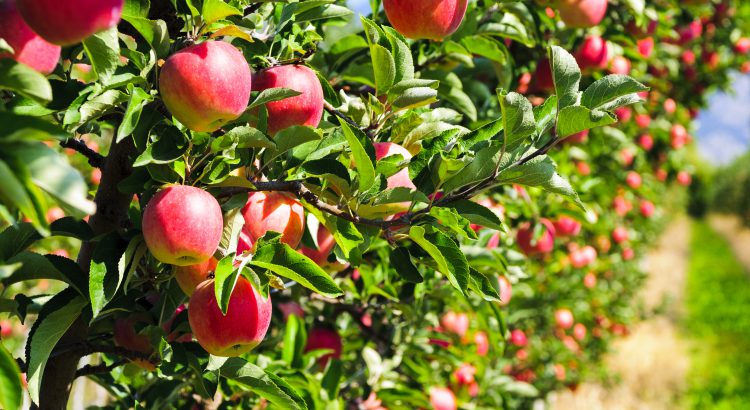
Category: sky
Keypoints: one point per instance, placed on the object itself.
(723, 129)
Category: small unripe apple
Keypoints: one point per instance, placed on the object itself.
(274, 211)
(244, 326)
(518, 338)
(457, 323)
(66, 22)
(593, 53)
(535, 246)
(646, 141)
(442, 398)
(567, 226)
(401, 178)
(646, 47)
(425, 19)
(634, 180)
(564, 318)
(482, 342)
(206, 85)
(189, 277)
(28, 47)
(582, 13)
(182, 225)
(324, 338)
(647, 208)
(620, 234)
(326, 242)
(304, 109)
(506, 290)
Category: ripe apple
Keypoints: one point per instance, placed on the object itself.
(745, 67)
(742, 46)
(583, 257)
(465, 373)
(589, 281)
(531, 245)
(627, 156)
(624, 114)
(564, 318)
(244, 326)
(670, 106)
(646, 46)
(66, 22)
(583, 168)
(559, 371)
(518, 338)
(189, 277)
(182, 225)
(425, 19)
(634, 180)
(325, 246)
(482, 342)
(620, 65)
(543, 81)
(506, 290)
(457, 323)
(661, 174)
(621, 205)
(567, 226)
(206, 85)
(646, 141)
(442, 398)
(28, 47)
(628, 254)
(401, 178)
(647, 208)
(291, 308)
(690, 32)
(683, 178)
(304, 109)
(324, 338)
(582, 13)
(643, 120)
(274, 211)
(126, 337)
(593, 53)
(688, 57)
(578, 138)
(620, 234)
(678, 135)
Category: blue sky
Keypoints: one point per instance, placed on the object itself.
(723, 129)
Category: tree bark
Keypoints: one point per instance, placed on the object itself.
(111, 214)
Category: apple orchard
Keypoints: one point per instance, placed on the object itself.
(430, 204)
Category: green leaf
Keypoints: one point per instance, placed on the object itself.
(103, 50)
(11, 391)
(284, 261)
(327, 11)
(401, 55)
(480, 168)
(545, 114)
(105, 276)
(450, 261)
(138, 8)
(609, 89)
(216, 10)
(363, 161)
(450, 219)
(266, 385)
(247, 137)
(273, 94)
(24, 128)
(518, 118)
(16, 238)
(24, 80)
(294, 136)
(170, 145)
(484, 133)
(384, 67)
(572, 120)
(415, 97)
(401, 262)
(54, 320)
(155, 33)
(225, 279)
(35, 266)
(566, 75)
(540, 171)
(138, 99)
(486, 287)
(486, 46)
(477, 214)
(13, 194)
(295, 338)
(129, 261)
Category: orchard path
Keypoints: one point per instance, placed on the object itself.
(651, 364)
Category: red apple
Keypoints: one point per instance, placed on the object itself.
(543, 81)
(559, 371)
(745, 67)
(621, 205)
(401, 178)
(643, 120)
(274, 211)
(661, 174)
(593, 53)
(441, 398)
(567, 226)
(291, 308)
(325, 246)
(628, 254)
(28, 47)
(678, 135)
(578, 138)
(620, 65)
(425, 19)
(690, 32)
(670, 106)
(624, 114)
(647, 208)
(582, 13)
(126, 337)
(324, 338)
(742, 45)
(482, 342)
(206, 85)
(244, 326)
(457, 323)
(304, 109)
(182, 225)
(518, 338)
(688, 57)
(620, 234)
(627, 156)
(634, 180)
(683, 178)
(583, 168)
(66, 22)
(646, 47)
(465, 374)
(646, 141)
(531, 245)
(506, 290)
(564, 318)
(6, 328)
(589, 281)
(54, 214)
(583, 257)
(189, 277)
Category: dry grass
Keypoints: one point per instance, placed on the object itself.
(651, 363)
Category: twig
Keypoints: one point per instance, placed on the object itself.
(99, 368)
(95, 159)
(339, 114)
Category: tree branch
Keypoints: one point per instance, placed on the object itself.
(95, 159)
(99, 368)
(333, 111)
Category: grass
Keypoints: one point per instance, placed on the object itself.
(718, 320)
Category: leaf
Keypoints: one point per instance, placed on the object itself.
(232, 30)
(484, 133)
(284, 261)
(480, 168)
(401, 262)
(484, 286)
(273, 94)
(35, 266)
(572, 120)
(363, 161)
(518, 118)
(155, 32)
(11, 391)
(401, 55)
(545, 114)
(129, 261)
(13, 194)
(295, 338)
(216, 10)
(540, 171)
(450, 261)
(170, 145)
(415, 97)
(138, 99)
(105, 276)
(262, 383)
(16, 238)
(54, 320)
(384, 67)
(566, 75)
(610, 88)
(294, 136)
(24, 80)
(224, 282)
(477, 214)
(103, 50)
